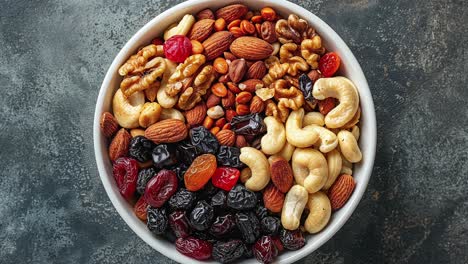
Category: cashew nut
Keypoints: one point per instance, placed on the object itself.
(345, 91)
(334, 162)
(150, 114)
(258, 164)
(327, 139)
(313, 118)
(182, 28)
(319, 212)
(128, 110)
(286, 152)
(171, 114)
(310, 169)
(296, 134)
(275, 138)
(356, 132)
(293, 205)
(349, 146)
(163, 99)
(346, 167)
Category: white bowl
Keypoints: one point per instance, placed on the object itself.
(349, 68)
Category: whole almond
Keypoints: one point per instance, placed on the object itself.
(233, 87)
(108, 124)
(251, 48)
(229, 100)
(242, 109)
(257, 105)
(205, 14)
(257, 70)
(273, 198)
(241, 142)
(237, 70)
(167, 131)
(341, 190)
(229, 56)
(196, 115)
(201, 30)
(226, 137)
(268, 32)
(230, 114)
(212, 100)
(243, 97)
(281, 174)
(232, 12)
(220, 122)
(216, 44)
(220, 65)
(251, 85)
(119, 145)
(224, 78)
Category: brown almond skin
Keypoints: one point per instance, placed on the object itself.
(201, 30)
(226, 137)
(196, 115)
(109, 125)
(341, 190)
(257, 70)
(281, 174)
(241, 142)
(251, 85)
(257, 105)
(273, 198)
(232, 12)
(216, 44)
(229, 100)
(119, 145)
(251, 48)
(205, 14)
(212, 100)
(237, 70)
(167, 131)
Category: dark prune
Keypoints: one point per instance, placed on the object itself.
(306, 85)
(164, 155)
(204, 236)
(157, 220)
(229, 251)
(186, 152)
(240, 198)
(194, 248)
(125, 171)
(265, 249)
(250, 125)
(218, 201)
(160, 188)
(261, 212)
(182, 200)
(201, 216)
(270, 225)
(248, 226)
(140, 148)
(179, 224)
(143, 178)
(292, 240)
(202, 139)
(223, 225)
(229, 156)
(208, 191)
(179, 170)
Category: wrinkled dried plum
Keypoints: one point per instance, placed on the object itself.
(229, 157)
(248, 225)
(143, 178)
(140, 148)
(240, 198)
(157, 220)
(223, 225)
(292, 240)
(201, 216)
(164, 155)
(229, 251)
(306, 85)
(182, 200)
(261, 212)
(270, 225)
(218, 201)
(251, 124)
(179, 170)
(186, 152)
(203, 140)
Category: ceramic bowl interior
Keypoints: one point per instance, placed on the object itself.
(349, 68)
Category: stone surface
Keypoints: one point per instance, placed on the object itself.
(54, 55)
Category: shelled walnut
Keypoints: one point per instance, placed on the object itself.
(153, 70)
(192, 95)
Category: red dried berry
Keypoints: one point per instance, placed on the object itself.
(177, 48)
(125, 172)
(157, 41)
(140, 209)
(225, 178)
(194, 248)
(179, 224)
(160, 188)
(265, 249)
(329, 64)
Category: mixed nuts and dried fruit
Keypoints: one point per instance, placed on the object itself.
(232, 136)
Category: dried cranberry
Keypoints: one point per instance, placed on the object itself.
(160, 188)
(329, 64)
(223, 225)
(179, 224)
(194, 248)
(225, 178)
(177, 48)
(229, 251)
(125, 172)
(265, 249)
(292, 240)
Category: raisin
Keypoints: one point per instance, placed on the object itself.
(306, 85)
(292, 240)
(177, 48)
(270, 225)
(250, 125)
(261, 212)
(143, 178)
(186, 152)
(164, 155)
(278, 243)
(329, 64)
(179, 224)
(201, 216)
(223, 225)
(182, 200)
(179, 170)
(240, 198)
(265, 249)
(200, 172)
(229, 156)
(204, 236)
(125, 171)
(194, 248)
(218, 201)
(157, 220)
(140, 148)
(160, 188)
(140, 209)
(248, 225)
(203, 140)
(229, 251)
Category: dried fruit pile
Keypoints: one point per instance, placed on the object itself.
(232, 136)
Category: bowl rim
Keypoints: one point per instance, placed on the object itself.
(324, 29)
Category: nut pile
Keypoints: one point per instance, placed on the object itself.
(232, 136)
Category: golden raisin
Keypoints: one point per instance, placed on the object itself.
(200, 172)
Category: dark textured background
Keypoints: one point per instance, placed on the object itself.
(53, 57)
